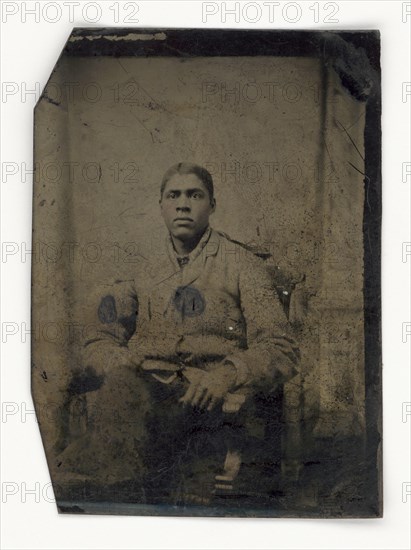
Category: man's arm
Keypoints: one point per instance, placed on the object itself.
(114, 318)
(272, 355)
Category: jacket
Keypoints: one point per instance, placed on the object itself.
(220, 306)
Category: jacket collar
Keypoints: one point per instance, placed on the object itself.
(167, 269)
(194, 254)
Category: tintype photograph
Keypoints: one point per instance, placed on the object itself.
(206, 278)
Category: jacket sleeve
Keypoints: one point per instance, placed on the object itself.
(272, 355)
(114, 314)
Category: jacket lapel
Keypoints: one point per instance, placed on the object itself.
(195, 268)
(166, 276)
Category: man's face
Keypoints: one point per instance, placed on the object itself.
(186, 206)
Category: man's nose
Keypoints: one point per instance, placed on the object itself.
(183, 203)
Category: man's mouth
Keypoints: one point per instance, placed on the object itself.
(183, 220)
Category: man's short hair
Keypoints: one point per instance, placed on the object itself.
(185, 168)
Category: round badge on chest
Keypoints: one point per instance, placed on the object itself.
(189, 301)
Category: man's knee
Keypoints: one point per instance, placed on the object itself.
(122, 399)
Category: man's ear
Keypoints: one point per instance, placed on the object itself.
(213, 205)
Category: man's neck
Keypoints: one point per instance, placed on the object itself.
(187, 246)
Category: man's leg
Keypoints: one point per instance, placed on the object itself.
(108, 457)
(187, 446)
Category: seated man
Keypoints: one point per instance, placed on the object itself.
(180, 347)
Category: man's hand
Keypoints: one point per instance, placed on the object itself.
(208, 388)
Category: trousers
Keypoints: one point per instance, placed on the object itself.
(138, 434)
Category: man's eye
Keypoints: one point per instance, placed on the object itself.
(171, 195)
(197, 195)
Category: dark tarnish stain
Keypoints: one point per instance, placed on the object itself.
(107, 312)
(52, 202)
(99, 173)
(85, 381)
(129, 323)
(42, 203)
(353, 66)
(44, 376)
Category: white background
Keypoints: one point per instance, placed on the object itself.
(30, 521)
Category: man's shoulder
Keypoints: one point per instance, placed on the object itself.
(240, 252)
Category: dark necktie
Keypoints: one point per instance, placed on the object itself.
(182, 260)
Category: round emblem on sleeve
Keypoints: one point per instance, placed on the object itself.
(107, 312)
(189, 301)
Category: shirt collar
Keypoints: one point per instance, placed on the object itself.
(193, 254)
